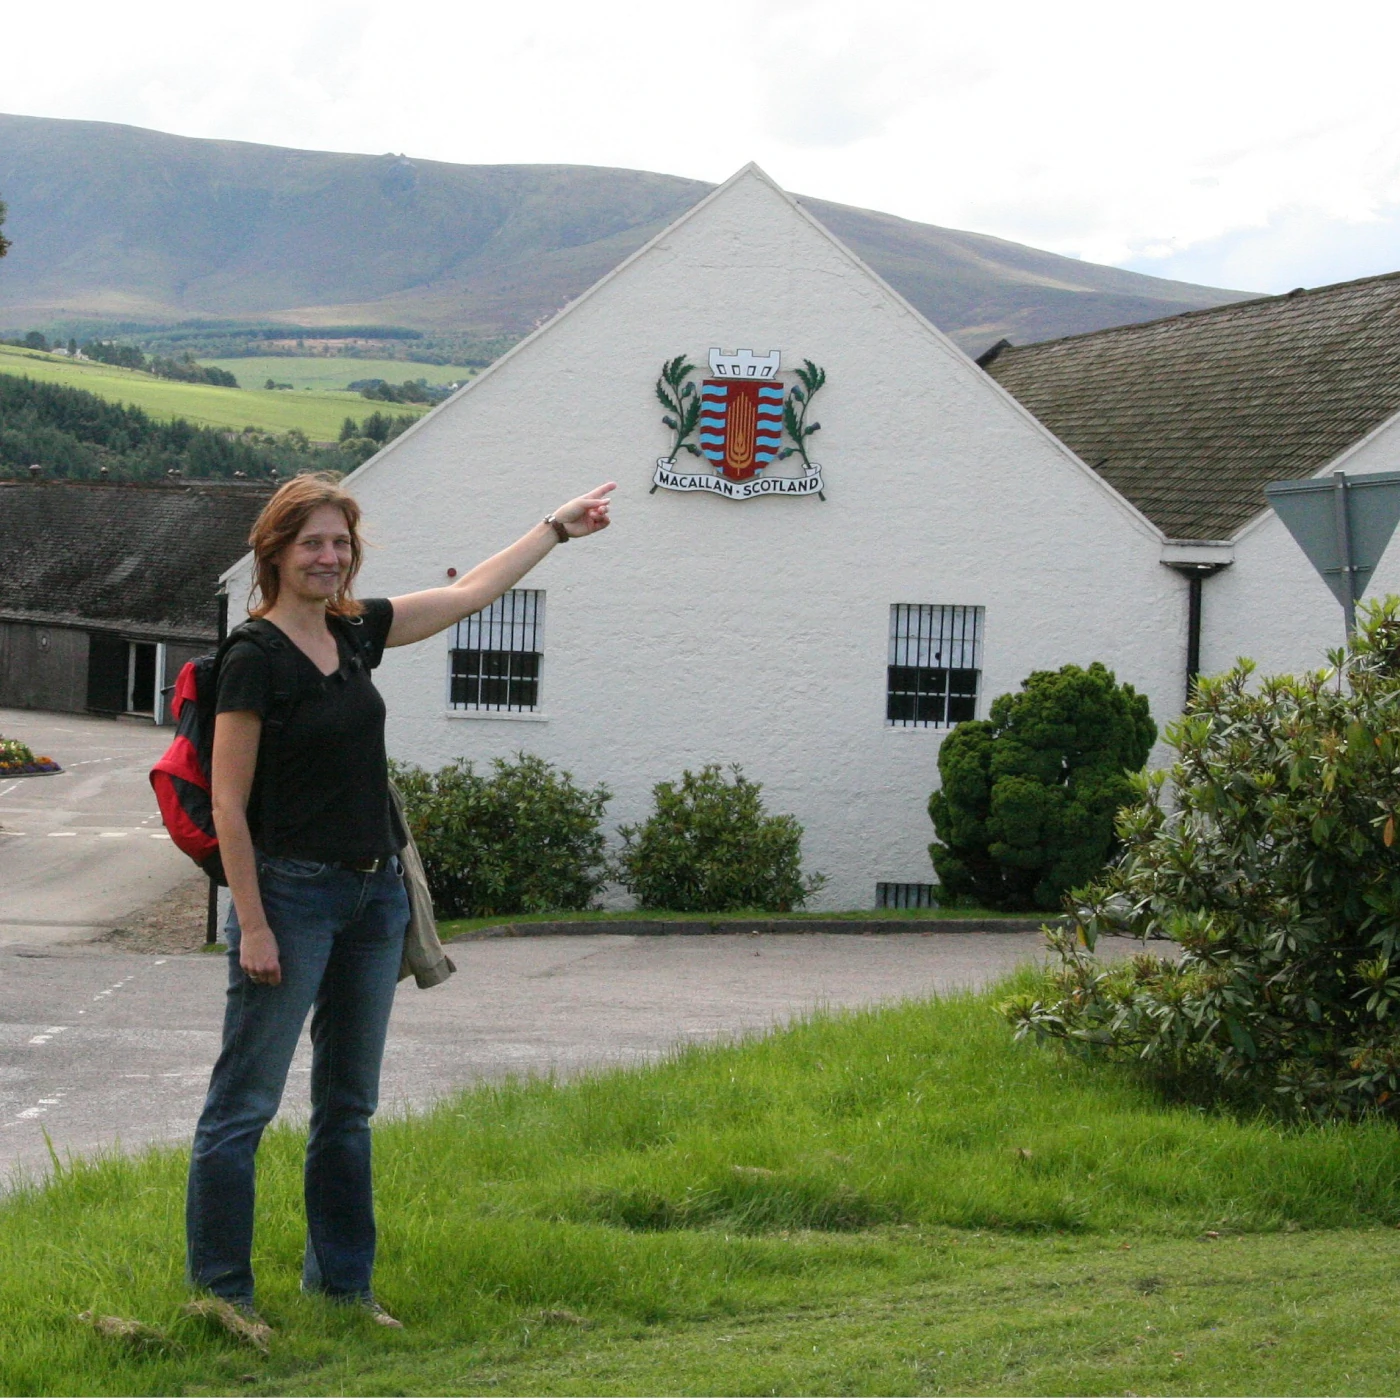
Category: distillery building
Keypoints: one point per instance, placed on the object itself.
(835, 536)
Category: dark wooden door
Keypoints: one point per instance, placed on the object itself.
(107, 673)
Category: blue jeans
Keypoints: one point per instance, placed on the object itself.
(339, 940)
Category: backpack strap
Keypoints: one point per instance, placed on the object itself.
(285, 692)
(282, 668)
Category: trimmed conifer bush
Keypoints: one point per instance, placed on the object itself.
(1028, 796)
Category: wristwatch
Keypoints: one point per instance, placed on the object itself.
(558, 528)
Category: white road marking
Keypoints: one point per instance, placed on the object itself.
(107, 835)
(159, 835)
(63, 833)
(38, 1109)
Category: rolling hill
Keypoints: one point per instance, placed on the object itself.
(118, 224)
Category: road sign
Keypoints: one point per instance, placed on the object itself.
(1343, 524)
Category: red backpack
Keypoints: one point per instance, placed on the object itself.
(181, 776)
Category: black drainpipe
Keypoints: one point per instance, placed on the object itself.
(1195, 575)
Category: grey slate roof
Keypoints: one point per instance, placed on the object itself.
(128, 555)
(1190, 417)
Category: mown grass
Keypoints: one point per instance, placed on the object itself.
(455, 928)
(318, 415)
(897, 1201)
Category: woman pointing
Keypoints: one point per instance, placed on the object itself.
(309, 843)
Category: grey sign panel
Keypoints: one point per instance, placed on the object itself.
(1343, 524)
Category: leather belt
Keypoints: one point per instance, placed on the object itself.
(362, 867)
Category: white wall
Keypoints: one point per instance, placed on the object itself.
(699, 629)
(1272, 605)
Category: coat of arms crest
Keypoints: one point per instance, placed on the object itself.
(737, 419)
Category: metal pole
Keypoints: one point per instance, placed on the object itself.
(211, 912)
(1343, 516)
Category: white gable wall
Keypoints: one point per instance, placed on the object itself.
(704, 630)
(1272, 605)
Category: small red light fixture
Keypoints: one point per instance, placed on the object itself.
(452, 573)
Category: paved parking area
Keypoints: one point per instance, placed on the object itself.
(102, 1049)
(81, 848)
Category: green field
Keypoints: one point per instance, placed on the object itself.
(333, 372)
(902, 1201)
(318, 415)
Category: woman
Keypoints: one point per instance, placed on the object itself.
(309, 843)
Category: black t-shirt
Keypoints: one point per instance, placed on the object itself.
(322, 786)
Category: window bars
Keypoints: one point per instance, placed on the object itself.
(892, 896)
(496, 654)
(935, 665)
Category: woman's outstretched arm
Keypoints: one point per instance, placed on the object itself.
(419, 615)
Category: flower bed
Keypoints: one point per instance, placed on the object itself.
(18, 760)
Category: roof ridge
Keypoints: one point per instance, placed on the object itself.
(1230, 307)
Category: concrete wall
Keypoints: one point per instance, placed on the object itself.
(705, 630)
(43, 668)
(1272, 605)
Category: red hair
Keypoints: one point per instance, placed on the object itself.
(282, 520)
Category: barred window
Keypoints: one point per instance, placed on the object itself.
(935, 665)
(496, 654)
(892, 896)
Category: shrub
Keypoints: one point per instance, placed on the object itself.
(710, 846)
(1027, 798)
(1276, 871)
(524, 840)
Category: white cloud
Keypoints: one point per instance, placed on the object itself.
(1236, 139)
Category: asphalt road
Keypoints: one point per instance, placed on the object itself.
(103, 1049)
(81, 848)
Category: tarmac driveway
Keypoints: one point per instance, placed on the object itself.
(81, 848)
(102, 1048)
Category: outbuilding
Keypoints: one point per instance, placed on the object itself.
(107, 588)
(836, 536)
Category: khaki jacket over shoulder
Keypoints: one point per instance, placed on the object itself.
(422, 952)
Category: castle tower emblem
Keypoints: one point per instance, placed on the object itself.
(736, 419)
(741, 412)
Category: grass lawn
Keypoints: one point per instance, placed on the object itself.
(455, 928)
(893, 1202)
(318, 415)
(334, 372)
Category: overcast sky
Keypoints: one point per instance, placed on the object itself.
(1247, 145)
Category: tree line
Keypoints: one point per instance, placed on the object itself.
(73, 434)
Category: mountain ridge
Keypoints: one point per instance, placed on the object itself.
(120, 223)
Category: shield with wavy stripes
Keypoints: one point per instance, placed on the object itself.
(741, 424)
